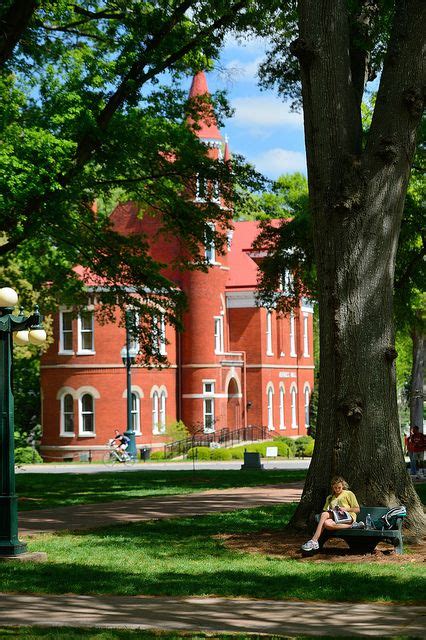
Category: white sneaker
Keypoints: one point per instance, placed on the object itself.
(311, 545)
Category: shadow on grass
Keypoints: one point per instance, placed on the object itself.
(182, 558)
(38, 491)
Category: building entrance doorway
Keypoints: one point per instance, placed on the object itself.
(233, 412)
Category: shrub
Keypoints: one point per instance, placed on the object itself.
(237, 453)
(177, 431)
(201, 453)
(27, 455)
(157, 455)
(308, 449)
(305, 445)
(220, 454)
(290, 442)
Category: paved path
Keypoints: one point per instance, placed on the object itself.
(89, 516)
(69, 467)
(215, 614)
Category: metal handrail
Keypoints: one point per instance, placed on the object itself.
(225, 436)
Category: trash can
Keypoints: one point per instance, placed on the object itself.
(145, 454)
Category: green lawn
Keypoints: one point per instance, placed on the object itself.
(39, 491)
(182, 557)
(68, 633)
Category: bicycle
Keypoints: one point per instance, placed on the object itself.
(115, 455)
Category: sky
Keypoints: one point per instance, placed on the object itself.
(263, 129)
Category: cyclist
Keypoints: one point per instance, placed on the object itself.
(120, 441)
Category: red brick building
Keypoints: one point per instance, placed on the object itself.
(234, 364)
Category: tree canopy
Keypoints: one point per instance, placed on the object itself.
(91, 103)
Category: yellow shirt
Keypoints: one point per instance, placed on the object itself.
(346, 500)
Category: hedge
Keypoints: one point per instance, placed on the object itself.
(27, 455)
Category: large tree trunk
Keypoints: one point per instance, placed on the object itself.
(357, 197)
(417, 378)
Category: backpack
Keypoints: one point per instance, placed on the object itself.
(390, 518)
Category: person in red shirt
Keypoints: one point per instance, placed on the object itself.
(416, 444)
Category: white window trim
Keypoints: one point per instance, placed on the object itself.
(62, 432)
(137, 431)
(80, 350)
(218, 338)
(162, 411)
(209, 393)
(307, 391)
(162, 336)
(81, 433)
(282, 407)
(270, 406)
(293, 396)
(293, 353)
(155, 408)
(269, 351)
(209, 397)
(306, 336)
(63, 351)
(211, 248)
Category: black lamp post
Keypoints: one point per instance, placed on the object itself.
(23, 330)
(128, 355)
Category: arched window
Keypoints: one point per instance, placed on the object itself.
(282, 425)
(270, 395)
(67, 414)
(136, 413)
(87, 414)
(307, 404)
(293, 394)
(155, 412)
(162, 412)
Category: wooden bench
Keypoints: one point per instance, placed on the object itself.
(366, 540)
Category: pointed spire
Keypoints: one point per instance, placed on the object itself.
(207, 123)
(199, 85)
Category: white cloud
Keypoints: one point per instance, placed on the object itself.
(276, 161)
(238, 70)
(250, 43)
(264, 111)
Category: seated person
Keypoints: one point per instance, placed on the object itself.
(120, 441)
(341, 498)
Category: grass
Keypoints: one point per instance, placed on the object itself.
(41, 491)
(68, 633)
(183, 557)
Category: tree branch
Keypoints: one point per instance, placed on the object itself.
(400, 99)
(135, 79)
(13, 24)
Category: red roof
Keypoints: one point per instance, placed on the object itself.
(242, 260)
(243, 271)
(207, 123)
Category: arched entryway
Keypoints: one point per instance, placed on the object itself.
(233, 412)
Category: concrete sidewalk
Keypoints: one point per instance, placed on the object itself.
(215, 614)
(89, 516)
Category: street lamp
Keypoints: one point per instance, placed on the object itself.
(24, 330)
(128, 356)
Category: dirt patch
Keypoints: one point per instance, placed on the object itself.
(280, 544)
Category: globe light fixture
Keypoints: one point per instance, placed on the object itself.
(8, 298)
(21, 338)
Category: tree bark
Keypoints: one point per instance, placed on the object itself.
(417, 378)
(357, 198)
(13, 24)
